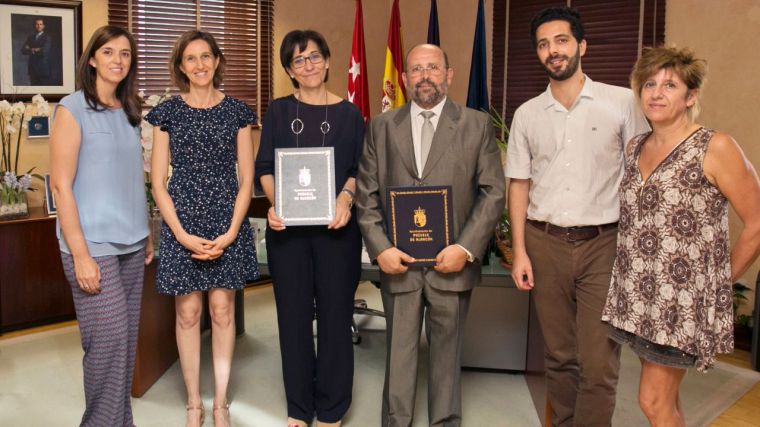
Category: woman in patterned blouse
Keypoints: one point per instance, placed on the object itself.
(670, 297)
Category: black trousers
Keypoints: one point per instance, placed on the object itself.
(312, 266)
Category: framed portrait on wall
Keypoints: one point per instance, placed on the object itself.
(40, 42)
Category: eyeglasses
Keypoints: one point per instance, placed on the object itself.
(300, 61)
(432, 69)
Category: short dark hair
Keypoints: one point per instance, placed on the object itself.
(126, 90)
(178, 77)
(301, 38)
(562, 13)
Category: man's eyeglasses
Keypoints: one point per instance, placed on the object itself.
(432, 69)
(300, 61)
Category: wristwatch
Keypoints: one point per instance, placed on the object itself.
(350, 197)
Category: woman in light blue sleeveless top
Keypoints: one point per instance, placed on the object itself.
(97, 179)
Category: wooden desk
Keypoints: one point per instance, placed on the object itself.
(33, 289)
(156, 342)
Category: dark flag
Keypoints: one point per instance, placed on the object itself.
(477, 92)
(433, 36)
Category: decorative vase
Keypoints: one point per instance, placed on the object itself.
(15, 210)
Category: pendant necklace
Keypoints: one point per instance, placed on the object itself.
(296, 126)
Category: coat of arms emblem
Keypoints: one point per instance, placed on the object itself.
(304, 176)
(420, 219)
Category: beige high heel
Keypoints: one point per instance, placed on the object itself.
(293, 422)
(225, 414)
(195, 408)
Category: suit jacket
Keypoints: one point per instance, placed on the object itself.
(463, 155)
(39, 63)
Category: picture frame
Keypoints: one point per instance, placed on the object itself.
(40, 43)
(50, 208)
(38, 127)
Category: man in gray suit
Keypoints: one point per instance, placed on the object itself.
(461, 153)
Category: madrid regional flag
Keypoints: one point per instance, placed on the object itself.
(358, 91)
(393, 87)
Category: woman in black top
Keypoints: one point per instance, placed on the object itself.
(314, 266)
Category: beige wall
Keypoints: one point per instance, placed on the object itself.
(715, 30)
(335, 20)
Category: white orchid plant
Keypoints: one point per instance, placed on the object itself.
(146, 140)
(14, 118)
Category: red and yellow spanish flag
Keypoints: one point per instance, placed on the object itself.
(394, 93)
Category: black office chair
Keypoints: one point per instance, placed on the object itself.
(360, 307)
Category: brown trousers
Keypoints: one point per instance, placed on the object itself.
(582, 363)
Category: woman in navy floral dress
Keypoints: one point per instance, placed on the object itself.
(206, 241)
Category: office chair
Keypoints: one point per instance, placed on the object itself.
(360, 307)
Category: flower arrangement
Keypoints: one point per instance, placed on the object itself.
(14, 118)
(146, 141)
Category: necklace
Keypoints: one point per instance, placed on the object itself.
(296, 126)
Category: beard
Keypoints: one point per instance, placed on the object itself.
(572, 66)
(431, 99)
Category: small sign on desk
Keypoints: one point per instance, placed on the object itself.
(50, 208)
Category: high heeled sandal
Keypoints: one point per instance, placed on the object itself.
(226, 414)
(197, 408)
(292, 422)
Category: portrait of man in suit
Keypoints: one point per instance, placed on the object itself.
(430, 141)
(37, 48)
(37, 54)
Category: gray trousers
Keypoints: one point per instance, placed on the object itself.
(582, 363)
(108, 324)
(444, 314)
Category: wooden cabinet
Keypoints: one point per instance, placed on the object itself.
(156, 342)
(33, 288)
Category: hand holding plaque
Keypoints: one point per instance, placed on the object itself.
(419, 221)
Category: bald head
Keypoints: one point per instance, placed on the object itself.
(427, 75)
(429, 48)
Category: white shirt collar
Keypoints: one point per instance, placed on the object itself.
(416, 109)
(587, 91)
